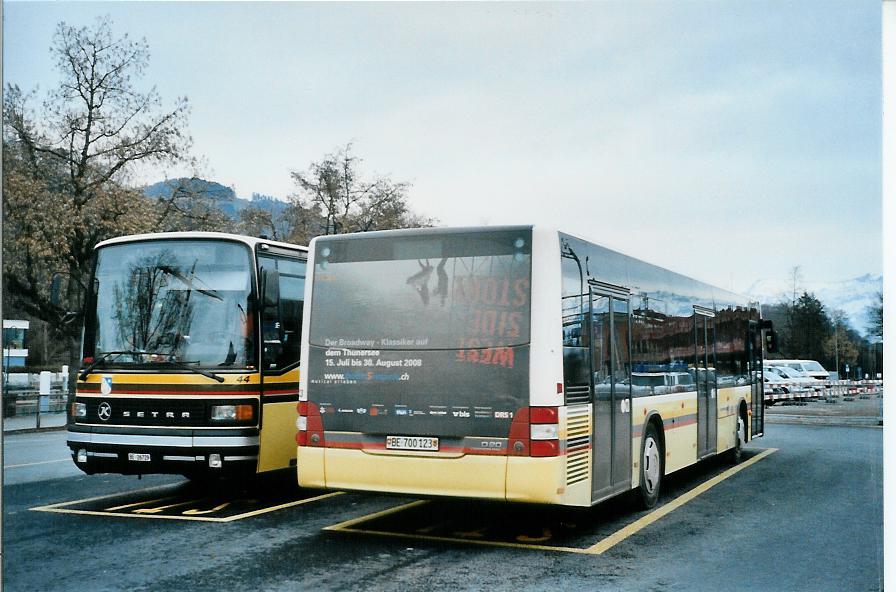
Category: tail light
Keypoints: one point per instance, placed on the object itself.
(310, 425)
(535, 432)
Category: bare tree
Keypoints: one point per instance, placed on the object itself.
(256, 221)
(190, 205)
(347, 202)
(875, 314)
(97, 123)
(65, 164)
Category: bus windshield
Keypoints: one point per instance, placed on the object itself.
(172, 301)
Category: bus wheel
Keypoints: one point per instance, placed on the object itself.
(651, 468)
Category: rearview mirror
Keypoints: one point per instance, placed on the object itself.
(270, 287)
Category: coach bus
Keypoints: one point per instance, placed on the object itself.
(190, 356)
(516, 363)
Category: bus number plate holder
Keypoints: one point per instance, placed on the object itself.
(412, 443)
(139, 456)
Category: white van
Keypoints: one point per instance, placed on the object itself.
(810, 367)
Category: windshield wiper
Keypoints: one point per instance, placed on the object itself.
(102, 358)
(190, 282)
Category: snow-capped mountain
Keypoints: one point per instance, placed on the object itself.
(852, 296)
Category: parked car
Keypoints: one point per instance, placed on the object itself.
(793, 376)
(810, 367)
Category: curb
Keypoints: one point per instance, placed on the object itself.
(33, 430)
(815, 420)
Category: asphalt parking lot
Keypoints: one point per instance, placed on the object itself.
(802, 512)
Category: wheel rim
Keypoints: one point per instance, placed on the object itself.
(741, 438)
(651, 465)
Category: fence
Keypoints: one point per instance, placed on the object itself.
(831, 391)
(30, 402)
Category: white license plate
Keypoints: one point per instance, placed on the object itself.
(412, 443)
(139, 456)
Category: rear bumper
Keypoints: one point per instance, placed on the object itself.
(494, 477)
(174, 451)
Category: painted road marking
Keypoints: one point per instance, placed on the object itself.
(142, 503)
(146, 508)
(43, 462)
(531, 542)
(623, 533)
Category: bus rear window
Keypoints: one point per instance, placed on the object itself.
(461, 291)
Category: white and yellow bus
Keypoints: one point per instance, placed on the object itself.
(190, 356)
(516, 363)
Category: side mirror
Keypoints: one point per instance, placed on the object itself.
(270, 288)
(271, 327)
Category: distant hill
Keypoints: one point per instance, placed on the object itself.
(224, 197)
(852, 296)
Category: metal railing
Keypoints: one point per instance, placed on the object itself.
(27, 402)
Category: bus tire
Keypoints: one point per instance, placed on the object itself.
(651, 468)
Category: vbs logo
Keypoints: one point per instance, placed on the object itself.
(106, 385)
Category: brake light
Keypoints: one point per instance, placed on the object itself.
(541, 448)
(535, 432)
(310, 425)
(542, 415)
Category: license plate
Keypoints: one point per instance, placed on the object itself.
(139, 457)
(411, 443)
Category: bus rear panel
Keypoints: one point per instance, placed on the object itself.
(418, 349)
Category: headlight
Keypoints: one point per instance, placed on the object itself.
(79, 409)
(231, 412)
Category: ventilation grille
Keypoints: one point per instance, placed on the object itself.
(578, 444)
(577, 393)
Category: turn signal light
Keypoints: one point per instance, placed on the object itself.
(231, 412)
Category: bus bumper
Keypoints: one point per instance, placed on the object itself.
(533, 480)
(176, 451)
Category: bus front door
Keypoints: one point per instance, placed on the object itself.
(611, 393)
(757, 390)
(704, 366)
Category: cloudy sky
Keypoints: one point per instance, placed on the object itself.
(728, 141)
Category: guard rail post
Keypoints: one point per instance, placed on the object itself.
(43, 395)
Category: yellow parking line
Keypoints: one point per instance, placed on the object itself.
(595, 549)
(348, 523)
(161, 508)
(282, 506)
(143, 503)
(441, 539)
(50, 507)
(129, 515)
(623, 533)
(61, 508)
